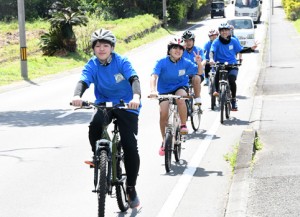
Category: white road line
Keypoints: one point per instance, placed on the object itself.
(65, 114)
(176, 195)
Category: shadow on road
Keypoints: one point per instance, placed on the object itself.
(22, 149)
(42, 118)
(178, 168)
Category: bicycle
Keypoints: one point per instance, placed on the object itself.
(193, 111)
(212, 87)
(224, 88)
(173, 137)
(108, 162)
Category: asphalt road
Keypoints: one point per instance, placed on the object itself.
(44, 143)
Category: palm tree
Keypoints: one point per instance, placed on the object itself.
(64, 20)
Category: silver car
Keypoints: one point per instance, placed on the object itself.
(244, 30)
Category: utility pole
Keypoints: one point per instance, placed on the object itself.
(165, 19)
(23, 48)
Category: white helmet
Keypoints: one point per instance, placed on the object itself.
(176, 41)
(213, 32)
(103, 34)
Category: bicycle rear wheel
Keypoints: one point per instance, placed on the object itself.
(189, 104)
(120, 186)
(102, 186)
(223, 102)
(168, 151)
(177, 146)
(196, 117)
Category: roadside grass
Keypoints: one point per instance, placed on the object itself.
(297, 25)
(231, 157)
(39, 65)
(258, 145)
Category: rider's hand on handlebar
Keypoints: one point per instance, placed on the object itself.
(77, 101)
(211, 62)
(153, 94)
(135, 102)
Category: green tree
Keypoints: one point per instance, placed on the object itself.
(61, 30)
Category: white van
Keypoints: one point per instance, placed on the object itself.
(244, 30)
(251, 8)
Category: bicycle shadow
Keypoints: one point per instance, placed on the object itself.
(200, 135)
(181, 167)
(235, 121)
(134, 212)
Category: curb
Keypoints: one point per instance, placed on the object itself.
(238, 193)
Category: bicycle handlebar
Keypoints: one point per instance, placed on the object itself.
(226, 64)
(170, 96)
(109, 105)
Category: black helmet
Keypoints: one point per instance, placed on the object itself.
(188, 35)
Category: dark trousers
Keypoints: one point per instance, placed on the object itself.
(128, 127)
(232, 75)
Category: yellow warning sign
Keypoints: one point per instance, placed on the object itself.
(23, 52)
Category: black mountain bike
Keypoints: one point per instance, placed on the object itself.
(224, 88)
(108, 163)
(193, 111)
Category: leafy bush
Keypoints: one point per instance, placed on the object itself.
(292, 9)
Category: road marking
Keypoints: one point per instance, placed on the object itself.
(65, 114)
(176, 195)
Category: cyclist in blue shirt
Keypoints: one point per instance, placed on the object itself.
(190, 49)
(171, 76)
(114, 79)
(224, 49)
(212, 34)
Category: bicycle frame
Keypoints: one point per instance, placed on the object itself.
(173, 120)
(110, 145)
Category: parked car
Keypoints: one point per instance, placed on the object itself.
(244, 30)
(217, 9)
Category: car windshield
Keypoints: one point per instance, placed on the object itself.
(217, 5)
(241, 24)
(247, 3)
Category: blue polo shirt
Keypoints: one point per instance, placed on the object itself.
(111, 82)
(172, 76)
(191, 56)
(207, 46)
(226, 52)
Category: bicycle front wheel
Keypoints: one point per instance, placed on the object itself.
(211, 92)
(228, 104)
(177, 146)
(120, 186)
(223, 102)
(168, 151)
(196, 117)
(102, 186)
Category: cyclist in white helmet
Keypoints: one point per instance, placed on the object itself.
(190, 49)
(224, 49)
(212, 34)
(171, 76)
(114, 79)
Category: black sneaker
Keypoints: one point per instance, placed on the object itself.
(234, 105)
(133, 199)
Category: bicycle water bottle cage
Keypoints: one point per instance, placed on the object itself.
(104, 144)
